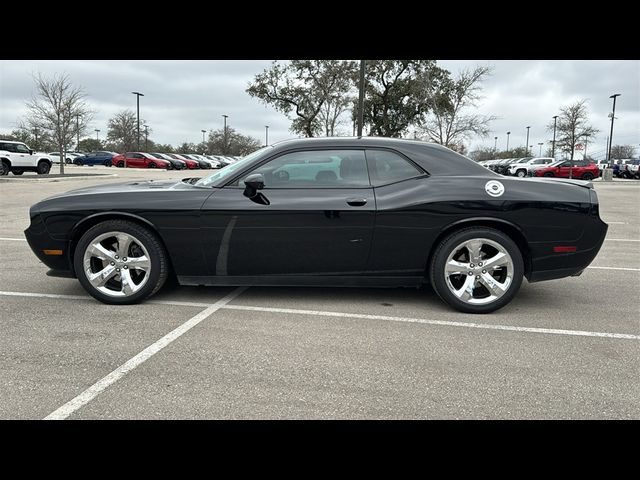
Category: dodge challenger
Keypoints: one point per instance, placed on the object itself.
(325, 212)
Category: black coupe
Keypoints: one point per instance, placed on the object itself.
(326, 211)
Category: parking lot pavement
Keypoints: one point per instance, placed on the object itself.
(562, 349)
(266, 365)
(51, 349)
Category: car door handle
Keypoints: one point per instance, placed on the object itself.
(357, 202)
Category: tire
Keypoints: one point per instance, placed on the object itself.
(481, 300)
(4, 168)
(43, 167)
(77, 162)
(120, 164)
(152, 165)
(548, 174)
(18, 172)
(145, 278)
(107, 163)
(587, 176)
(521, 173)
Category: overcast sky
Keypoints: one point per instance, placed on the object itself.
(184, 97)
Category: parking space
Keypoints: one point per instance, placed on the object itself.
(562, 349)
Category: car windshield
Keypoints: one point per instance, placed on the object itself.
(231, 169)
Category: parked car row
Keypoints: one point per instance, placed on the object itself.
(519, 167)
(168, 161)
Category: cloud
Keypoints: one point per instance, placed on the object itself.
(183, 97)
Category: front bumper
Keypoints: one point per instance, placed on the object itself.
(39, 240)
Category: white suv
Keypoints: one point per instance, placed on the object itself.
(17, 158)
(522, 169)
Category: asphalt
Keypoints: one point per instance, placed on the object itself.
(303, 353)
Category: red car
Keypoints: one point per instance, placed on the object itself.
(580, 169)
(140, 160)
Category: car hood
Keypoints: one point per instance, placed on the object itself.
(121, 187)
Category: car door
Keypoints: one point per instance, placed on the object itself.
(314, 216)
(562, 170)
(22, 156)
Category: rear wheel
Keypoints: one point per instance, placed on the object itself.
(4, 168)
(120, 262)
(477, 270)
(107, 163)
(43, 167)
(587, 176)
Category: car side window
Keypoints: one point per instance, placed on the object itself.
(21, 148)
(315, 169)
(388, 167)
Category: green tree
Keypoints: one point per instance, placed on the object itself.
(187, 147)
(311, 93)
(238, 144)
(396, 94)
(483, 153)
(518, 152)
(90, 145)
(58, 108)
(572, 126)
(164, 148)
(123, 131)
(450, 121)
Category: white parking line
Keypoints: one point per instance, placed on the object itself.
(87, 297)
(621, 240)
(616, 223)
(554, 331)
(94, 390)
(618, 268)
(13, 239)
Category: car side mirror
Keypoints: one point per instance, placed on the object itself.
(31, 152)
(253, 183)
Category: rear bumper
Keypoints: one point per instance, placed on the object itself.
(547, 265)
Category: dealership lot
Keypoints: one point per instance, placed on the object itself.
(567, 348)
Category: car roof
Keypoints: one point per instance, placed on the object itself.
(10, 141)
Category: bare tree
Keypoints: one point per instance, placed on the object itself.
(56, 108)
(122, 131)
(622, 151)
(449, 123)
(572, 126)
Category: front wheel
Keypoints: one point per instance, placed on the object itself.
(43, 168)
(477, 270)
(107, 163)
(77, 162)
(587, 176)
(120, 262)
(152, 165)
(548, 174)
(120, 164)
(521, 173)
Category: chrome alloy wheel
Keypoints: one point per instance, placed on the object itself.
(117, 264)
(479, 271)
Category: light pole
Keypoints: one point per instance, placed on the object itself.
(540, 145)
(146, 137)
(77, 132)
(526, 145)
(553, 144)
(613, 115)
(508, 133)
(586, 139)
(138, 95)
(495, 145)
(225, 134)
(35, 130)
(266, 135)
(361, 99)
(97, 132)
